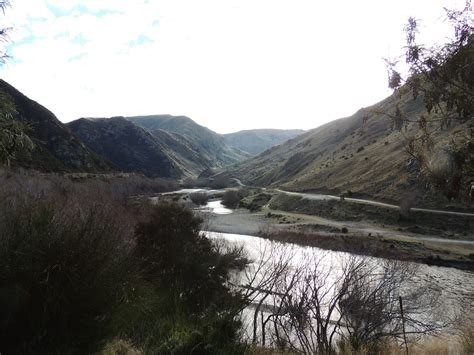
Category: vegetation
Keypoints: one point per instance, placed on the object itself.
(232, 198)
(83, 269)
(199, 198)
(452, 226)
(64, 255)
(13, 138)
(442, 76)
(81, 266)
(256, 201)
(317, 305)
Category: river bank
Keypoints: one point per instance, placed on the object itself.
(357, 238)
(338, 227)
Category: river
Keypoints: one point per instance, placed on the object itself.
(454, 288)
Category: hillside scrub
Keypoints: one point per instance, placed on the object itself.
(256, 201)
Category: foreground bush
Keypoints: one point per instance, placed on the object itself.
(193, 306)
(63, 261)
(78, 271)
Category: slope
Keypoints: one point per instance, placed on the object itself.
(210, 144)
(255, 141)
(128, 146)
(183, 152)
(360, 153)
(56, 149)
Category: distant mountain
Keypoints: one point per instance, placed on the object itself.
(56, 149)
(131, 148)
(256, 141)
(360, 153)
(209, 144)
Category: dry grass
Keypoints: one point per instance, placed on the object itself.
(120, 347)
(429, 346)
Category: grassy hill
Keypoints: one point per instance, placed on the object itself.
(209, 144)
(56, 149)
(255, 141)
(183, 152)
(360, 153)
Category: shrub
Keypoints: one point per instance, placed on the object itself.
(199, 198)
(189, 275)
(231, 198)
(63, 261)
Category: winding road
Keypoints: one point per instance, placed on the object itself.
(323, 197)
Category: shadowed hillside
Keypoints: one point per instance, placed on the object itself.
(128, 146)
(255, 141)
(56, 149)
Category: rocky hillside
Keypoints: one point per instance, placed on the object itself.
(128, 146)
(360, 153)
(255, 141)
(209, 144)
(56, 149)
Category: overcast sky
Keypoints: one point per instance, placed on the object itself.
(227, 64)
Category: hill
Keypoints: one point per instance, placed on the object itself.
(209, 144)
(360, 153)
(256, 141)
(56, 149)
(191, 161)
(131, 148)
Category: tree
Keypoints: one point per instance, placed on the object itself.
(194, 308)
(174, 254)
(4, 31)
(232, 198)
(443, 76)
(13, 138)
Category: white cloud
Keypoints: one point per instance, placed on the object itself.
(229, 64)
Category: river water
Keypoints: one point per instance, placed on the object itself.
(455, 288)
(454, 284)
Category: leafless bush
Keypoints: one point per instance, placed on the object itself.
(306, 303)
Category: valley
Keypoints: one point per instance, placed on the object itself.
(279, 216)
(236, 178)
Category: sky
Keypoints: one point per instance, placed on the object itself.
(227, 64)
